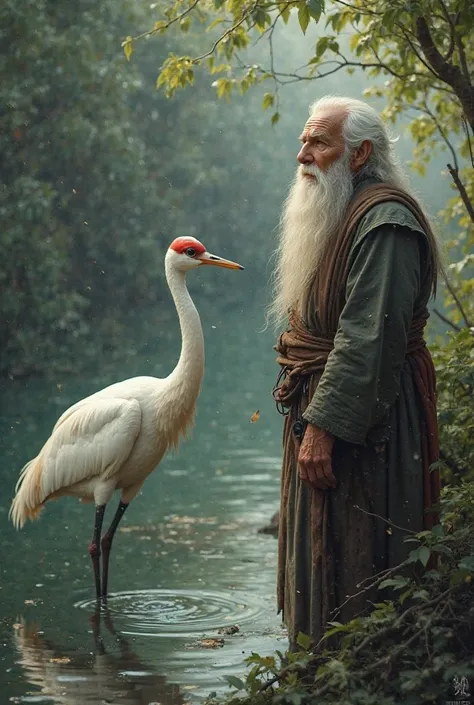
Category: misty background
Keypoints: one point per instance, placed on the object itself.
(99, 173)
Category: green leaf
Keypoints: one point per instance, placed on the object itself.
(235, 682)
(303, 17)
(398, 582)
(467, 563)
(268, 100)
(275, 118)
(285, 14)
(424, 554)
(354, 41)
(321, 46)
(315, 8)
(405, 594)
(304, 641)
(260, 17)
(215, 23)
(442, 548)
(437, 465)
(338, 628)
(128, 47)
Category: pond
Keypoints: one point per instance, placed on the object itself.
(192, 581)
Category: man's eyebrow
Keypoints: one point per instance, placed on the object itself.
(315, 134)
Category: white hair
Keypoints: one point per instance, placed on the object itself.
(312, 213)
(313, 210)
(362, 123)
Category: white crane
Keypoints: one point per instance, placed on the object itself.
(115, 438)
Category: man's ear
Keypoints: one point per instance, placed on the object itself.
(361, 154)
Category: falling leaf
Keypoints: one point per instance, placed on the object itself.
(389, 531)
(255, 417)
(60, 387)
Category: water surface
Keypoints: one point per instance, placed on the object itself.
(192, 581)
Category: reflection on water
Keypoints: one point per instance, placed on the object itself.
(106, 674)
(164, 613)
(188, 560)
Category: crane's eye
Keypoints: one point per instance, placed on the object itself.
(191, 252)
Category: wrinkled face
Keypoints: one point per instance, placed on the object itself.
(322, 141)
(313, 210)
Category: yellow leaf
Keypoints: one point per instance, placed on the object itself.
(128, 47)
(354, 41)
(255, 417)
(268, 100)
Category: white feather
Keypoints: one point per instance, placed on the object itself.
(95, 439)
(115, 438)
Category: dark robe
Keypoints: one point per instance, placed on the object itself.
(365, 394)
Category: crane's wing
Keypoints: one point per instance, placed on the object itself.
(92, 438)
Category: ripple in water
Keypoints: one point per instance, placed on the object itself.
(184, 613)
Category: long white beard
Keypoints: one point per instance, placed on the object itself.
(312, 213)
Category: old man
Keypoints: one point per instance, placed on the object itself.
(357, 263)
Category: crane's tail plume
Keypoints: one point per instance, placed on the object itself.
(29, 499)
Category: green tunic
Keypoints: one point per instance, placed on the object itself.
(366, 397)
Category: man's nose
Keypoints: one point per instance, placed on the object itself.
(304, 156)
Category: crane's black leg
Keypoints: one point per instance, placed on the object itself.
(94, 546)
(107, 545)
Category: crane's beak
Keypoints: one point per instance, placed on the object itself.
(207, 258)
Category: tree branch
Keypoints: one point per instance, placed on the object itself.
(452, 31)
(442, 133)
(455, 296)
(446, 320)
(387, 521)
(468, 138)
(462, 190)
(178, 18)
(220, 39)
(447, 72)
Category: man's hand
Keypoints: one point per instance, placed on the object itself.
(315, 466)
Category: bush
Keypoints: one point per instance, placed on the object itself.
(414, 649)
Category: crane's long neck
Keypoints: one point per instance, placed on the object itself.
(187, 375)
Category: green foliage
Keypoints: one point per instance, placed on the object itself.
(454, 362)
(407, 650)
(100, 172)
(427, 66)
(72, 195)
